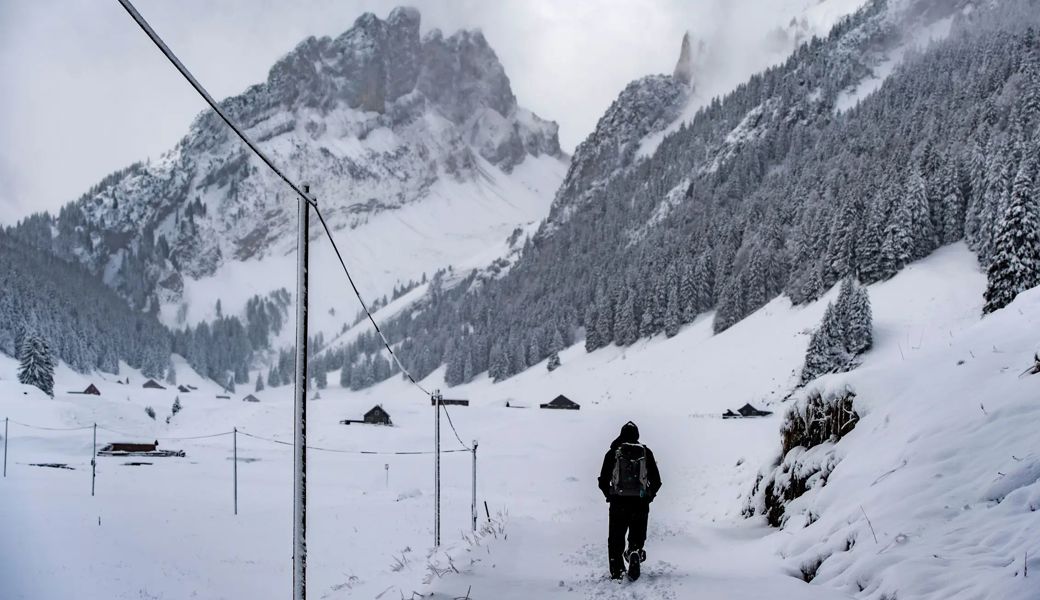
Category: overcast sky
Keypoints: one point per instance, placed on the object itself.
(85, 92)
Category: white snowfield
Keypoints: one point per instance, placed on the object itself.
(945, 462)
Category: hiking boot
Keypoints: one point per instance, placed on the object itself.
(616, 575)
(634, 558)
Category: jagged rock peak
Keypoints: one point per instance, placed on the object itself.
(689, 58)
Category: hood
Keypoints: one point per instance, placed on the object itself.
(629, 435)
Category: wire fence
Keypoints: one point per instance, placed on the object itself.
(243, 432)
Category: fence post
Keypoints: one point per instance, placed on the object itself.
(93, 463)
(5, 446)
(473, 501)
(234, 459)
(437, 469)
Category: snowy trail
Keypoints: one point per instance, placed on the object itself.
(697, 545)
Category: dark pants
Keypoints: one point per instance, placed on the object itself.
(626, 516)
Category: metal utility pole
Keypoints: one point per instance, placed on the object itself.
(300, 407)
(93, 463)
(437, 469)
(473, 502)
(234, 459)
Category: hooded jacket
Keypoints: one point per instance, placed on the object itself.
(629, 435)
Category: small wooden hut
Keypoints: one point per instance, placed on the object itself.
(152, 384)
(750, 411)
(377, 415)
(562, 402)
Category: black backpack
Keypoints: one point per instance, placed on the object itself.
(629, 477)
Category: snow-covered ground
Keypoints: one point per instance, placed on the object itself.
(166, 530)
(455, 224)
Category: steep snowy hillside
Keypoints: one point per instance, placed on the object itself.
(947, 484)
(769, 190)
(389, 127)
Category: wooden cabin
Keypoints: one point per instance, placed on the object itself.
(750, 411)
(152, 384)
(91, 390)
(131, 447)
(250, 398)
(377, 415)
(562, 402)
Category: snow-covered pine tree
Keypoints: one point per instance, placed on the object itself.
(952, 205)
(626, 329)
(922, 229)
(36, 364)
(604, 317)
(859, 325)
(498, 362)
(259, 382)
(345, 373)
(898, 247)
(592, 339)
(554, 362)
(826, 350)
(1016, 259)
(846, 332)
(230, 387)
(673, 313)
(176, 408)
(272, 378)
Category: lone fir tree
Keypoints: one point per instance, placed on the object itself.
(554, 362)
(36, 365)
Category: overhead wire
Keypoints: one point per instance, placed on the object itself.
(364, 305)
(143, 24)
(461, 443)
(41, 427)
(344, 451)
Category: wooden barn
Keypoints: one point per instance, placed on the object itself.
(131, 447)
(562, 402)
(152, 384)
(377, 415)
(183, 389)
(91, 390)
(138, 449)
(250, 398)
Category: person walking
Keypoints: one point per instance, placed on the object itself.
(629, 480)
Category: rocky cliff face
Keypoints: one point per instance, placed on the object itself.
(371, 119)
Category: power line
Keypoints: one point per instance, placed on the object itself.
(41, 427)
(364, 306)
(342, 451)
(167, 438)
(461, 443)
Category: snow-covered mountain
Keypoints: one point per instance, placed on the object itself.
(414, 145)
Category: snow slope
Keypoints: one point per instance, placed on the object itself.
(167, 530)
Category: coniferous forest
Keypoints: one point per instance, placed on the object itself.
(770, 191)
